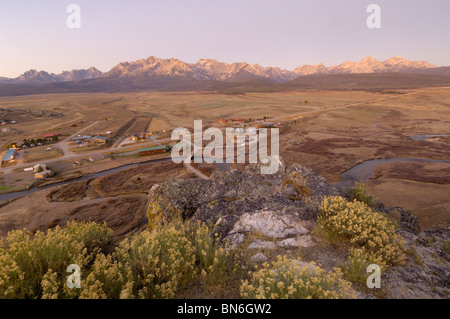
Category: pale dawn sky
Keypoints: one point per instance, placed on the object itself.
(283, 33)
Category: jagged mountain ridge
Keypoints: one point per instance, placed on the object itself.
(209, 69)
(34, 76)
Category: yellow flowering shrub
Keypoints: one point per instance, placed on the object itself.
(34, 266)
(157, 263)
(213, 258)
(368, 231)
(151, 264)
(292, 279)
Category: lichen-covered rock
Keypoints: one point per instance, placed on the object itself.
(280, 205)
(258, 258)
(300, 241)
(261, 244)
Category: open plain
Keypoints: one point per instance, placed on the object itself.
(329, 131)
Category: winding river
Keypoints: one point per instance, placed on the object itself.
(15, 195)
(424, 137)
(363, 171)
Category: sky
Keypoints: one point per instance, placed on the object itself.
(278, 33)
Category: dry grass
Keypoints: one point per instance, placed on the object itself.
(41, 154)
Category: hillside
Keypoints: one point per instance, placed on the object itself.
(238, 229)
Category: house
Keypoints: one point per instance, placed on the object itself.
(39, 168)
(154, 150)
(237, 119)
(10, 156)
(80, 139)
(43, 174)
(28, 169)
(134, 137)
(100, 139)
(222, 121)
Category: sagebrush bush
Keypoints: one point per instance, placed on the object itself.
(368, 231)
(26, 260)
(213, 258)
(151, 264)
(157, 263)
(292, 279)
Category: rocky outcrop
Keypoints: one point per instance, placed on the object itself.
(426, 273)
(279, 206)
(268, 215)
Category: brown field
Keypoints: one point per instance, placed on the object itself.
(333, 132)
(41, 154)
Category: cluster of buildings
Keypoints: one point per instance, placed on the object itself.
(90, 140)
(40, 171)
(141, 136)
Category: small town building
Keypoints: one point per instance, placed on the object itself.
(43, 174)
(100, 139)
(154, 150)
(10, 156)
(82, 139)
(39, 168)
(134, 137)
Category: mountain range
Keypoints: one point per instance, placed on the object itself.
(208, 69)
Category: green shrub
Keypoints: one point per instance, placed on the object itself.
(359, 192)
(292, 279)
(446, 246)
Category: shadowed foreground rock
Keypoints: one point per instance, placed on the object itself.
(282, 205)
